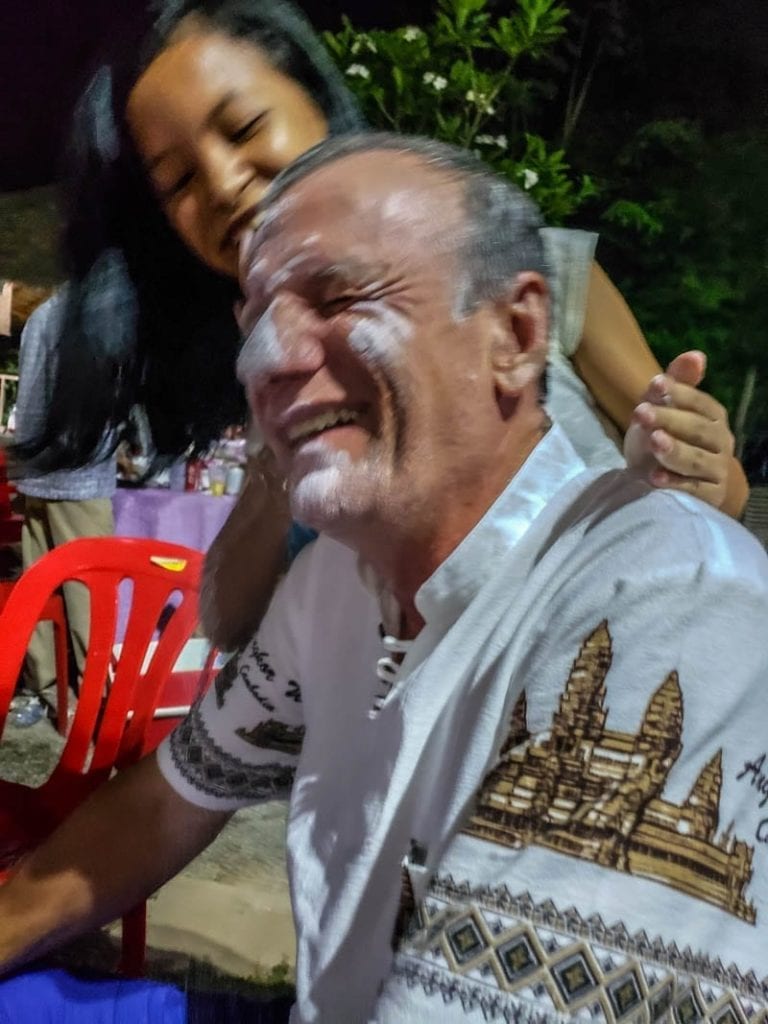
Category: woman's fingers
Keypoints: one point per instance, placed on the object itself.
(688, 367)
(664, 390)
(683, 425)
(688, 460)
(709, 492)
(684, 432)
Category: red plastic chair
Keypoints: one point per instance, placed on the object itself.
(117, 697)
(53, 611)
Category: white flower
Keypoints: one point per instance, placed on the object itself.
(411, 33)
(501, 141)
(485, 140)
(437, 82)
(530, 178)
(358, 71)
(480, 100)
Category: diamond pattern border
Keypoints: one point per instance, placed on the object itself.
(519, 967)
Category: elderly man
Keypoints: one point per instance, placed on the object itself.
(514, 702)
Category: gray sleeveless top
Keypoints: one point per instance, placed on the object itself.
(569, 254)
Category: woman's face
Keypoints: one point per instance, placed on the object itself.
(214, 123)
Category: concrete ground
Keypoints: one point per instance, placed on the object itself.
(225, 920)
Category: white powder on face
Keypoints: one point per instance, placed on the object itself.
(251, 265)
(283, 274)
(405, 206)
(252, 273)
(460, 309)
(249, 261)
(327, 488)
(262, 352)
(382, 336)
(316, 491)
(246, 307)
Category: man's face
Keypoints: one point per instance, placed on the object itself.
(374, 394)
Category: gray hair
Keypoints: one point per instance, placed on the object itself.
(502, 224)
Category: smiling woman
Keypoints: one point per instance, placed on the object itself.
(211, 115)
(173, 145)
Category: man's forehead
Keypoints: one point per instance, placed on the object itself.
(366, 197)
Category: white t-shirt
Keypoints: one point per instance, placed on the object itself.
(548, 778)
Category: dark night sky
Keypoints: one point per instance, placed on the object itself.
(703, 58)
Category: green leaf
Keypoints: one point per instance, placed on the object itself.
(629, 214)
(463, 9)
(334, 43)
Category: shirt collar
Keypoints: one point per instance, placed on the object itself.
(448, 591)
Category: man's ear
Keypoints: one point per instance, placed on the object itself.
(519, 345)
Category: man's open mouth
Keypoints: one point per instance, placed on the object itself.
(312, 426)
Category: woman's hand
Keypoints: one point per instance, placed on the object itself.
(680, 435)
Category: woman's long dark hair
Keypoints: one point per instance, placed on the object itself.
(145, 321)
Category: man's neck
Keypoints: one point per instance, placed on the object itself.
(412, 552)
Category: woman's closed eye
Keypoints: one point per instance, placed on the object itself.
(246, 131)
(171, 191)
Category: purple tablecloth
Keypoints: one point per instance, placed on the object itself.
(183, 517)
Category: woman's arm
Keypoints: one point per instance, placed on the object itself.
(691, 441)
(613, 358)
(245, 561)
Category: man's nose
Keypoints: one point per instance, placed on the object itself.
(286, 341)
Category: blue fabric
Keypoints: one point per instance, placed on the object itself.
(298, 537)
(56, 997)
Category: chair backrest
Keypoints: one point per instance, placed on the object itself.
(117, 696)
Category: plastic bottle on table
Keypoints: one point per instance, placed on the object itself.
(235, 477)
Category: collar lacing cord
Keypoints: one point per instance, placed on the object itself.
(388, 667)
